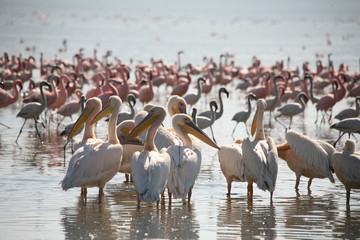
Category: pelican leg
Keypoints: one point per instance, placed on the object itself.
(271, 197)
(189, 195)
(348, 196)
(126, 177)
(83, 193)
(170, 197)
(20, 130)
(297, 183)
(229, 188)
(101, 195)
(250, 191)
(309, 183)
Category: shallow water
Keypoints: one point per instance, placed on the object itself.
(33, 205)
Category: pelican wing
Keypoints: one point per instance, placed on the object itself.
(347, 166)
(231, 161)
(185, 167)
(93, 166)
(311, 152)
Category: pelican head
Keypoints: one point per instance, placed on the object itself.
(156, 114)
(175, 105)
(114, 103)
(349, 146)
(125, 127)
(91, 105)
(185, 123)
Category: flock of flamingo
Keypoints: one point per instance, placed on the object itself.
(157, 157)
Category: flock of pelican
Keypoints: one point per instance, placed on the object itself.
(157, 157)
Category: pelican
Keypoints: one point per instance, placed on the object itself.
(176, 104)
(348, 125)
(191, 98)
(243, 116)
(123, 129)
(347, 167)
(95, 165)
(260, 155)
(92, 108)
(185, 160)
(149, 168)
(33, 109)
(292, 109)
(231, 164)
(127, 115)
(307, 157)
(221, 108)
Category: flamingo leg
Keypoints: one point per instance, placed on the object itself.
(170, 197)
(276, 119)
(338, 139)
(20, 130)
(212, 133)
(247, 130)
(234, 130)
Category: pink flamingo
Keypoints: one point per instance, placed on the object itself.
(123, 89)
(146, 92)
(61, 94)
(327, 102)
(182, 87)
(71, 107)
(262, 91)
(96, 91)
(6, 99)
(104, 97)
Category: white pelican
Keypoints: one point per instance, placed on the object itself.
(231, 164)
(307, 157)
(243, 116)
(191, 98)
(33, 109)
(260, 156)
(95, 165)
(185, 160)
(149, 168)
(92, 108)
(348, 125)
(347, 167)
(123, 129)
(176, 104)
(292, 109)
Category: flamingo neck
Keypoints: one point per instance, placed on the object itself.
(43, 98)
(221, 110)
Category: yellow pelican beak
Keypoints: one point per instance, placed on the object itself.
(142, 126)
(253, 125)
(107, 110)
(80, 122)
(194, 130)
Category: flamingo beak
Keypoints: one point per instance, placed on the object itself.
(80, 122)
(107, 110)
(194, 130)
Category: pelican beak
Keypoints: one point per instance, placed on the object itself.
(253, 125)
(142, 126)
(80, 122)
(107, 110)
(177, 110)
(194, 130)
(283, 147)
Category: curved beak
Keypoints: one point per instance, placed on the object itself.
(107, 110)
(80, 122)
(194, 130)
(142, 126)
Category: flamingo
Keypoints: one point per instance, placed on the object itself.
(231, 164)
(221, 108)
(262, 91)
(71, 107)
(6, 99)
(327, 101)
(348, 125)
(191, 98)
(146, 92)
(272, 102)
(149, 168)
(185, 160)
(204, 122)
(182, 87)
(95, 165)
(349, 112)
(307, 157)
(292, 109)
(243, 116)
(347, 167)
(260, 156)
(33, 109)
(61, 94)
